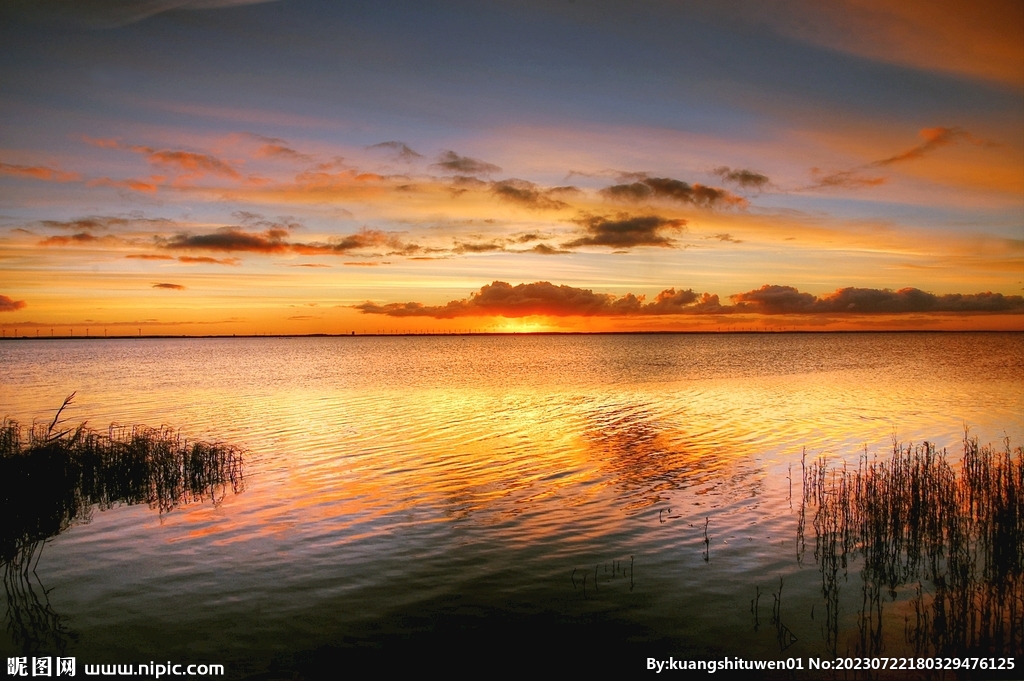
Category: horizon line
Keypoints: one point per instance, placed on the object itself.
(353, 334)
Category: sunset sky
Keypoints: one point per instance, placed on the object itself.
(300, 166)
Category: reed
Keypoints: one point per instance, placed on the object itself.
(51, 479)
(946, 538)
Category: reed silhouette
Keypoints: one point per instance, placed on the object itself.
(945, 540)
(611, 571)
(51, 479)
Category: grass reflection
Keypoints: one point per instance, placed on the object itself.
(943, 544)
(53, 480)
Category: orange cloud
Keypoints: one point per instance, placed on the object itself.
(276, 150)
(9, 305)
(145, 256)
(933, 139)
(135, 185)
(962, 37)
(204, 260)
(38, 173)
(80, 238)
(500, 299)
(192, 163)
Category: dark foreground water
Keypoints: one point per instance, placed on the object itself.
(411, 500)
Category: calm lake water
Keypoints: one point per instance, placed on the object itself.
(410, 499)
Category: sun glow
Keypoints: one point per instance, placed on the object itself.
(525, 325)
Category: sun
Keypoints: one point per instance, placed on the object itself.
(525, 325)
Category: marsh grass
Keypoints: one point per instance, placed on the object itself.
(51, 479)
(944, 540)
(51, 482)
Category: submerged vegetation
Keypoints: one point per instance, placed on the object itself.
(51, 479)
(943, 541)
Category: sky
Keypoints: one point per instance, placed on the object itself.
(301, 166)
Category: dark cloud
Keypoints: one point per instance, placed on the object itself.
(527, 194)
(851, 179)
(275, 240)
(310, 264)
(671, 301)
(113, 13)
(399, 150)
(460, 184)
(773, 299)
(487, 247)
(627, 231)
(409, 249)
(449, 161)
(364, 238)
(636, 191)
(747, 179)
(725, 237)
(544, 249)
(83, 223)
(627, 177)
(500, 299)
(9, 305)
(468, 182)
(674, 190)
(232, 239)
(104, 222)
(246, 216)
(173, 287)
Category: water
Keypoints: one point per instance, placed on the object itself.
(429, 496)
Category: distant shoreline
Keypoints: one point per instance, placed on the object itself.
(504, 333)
